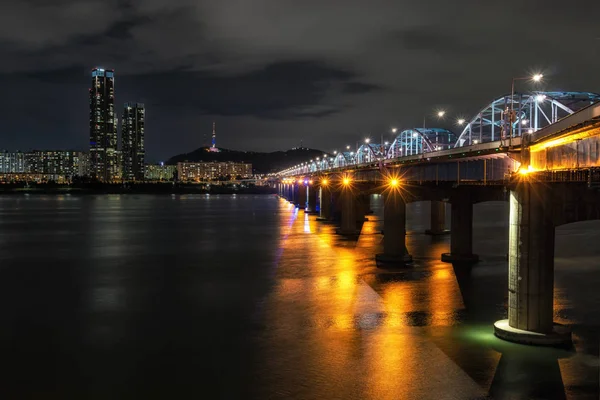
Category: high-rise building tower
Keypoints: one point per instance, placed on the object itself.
(132, 141)
(103, 126)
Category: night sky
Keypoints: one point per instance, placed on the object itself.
(274, 72)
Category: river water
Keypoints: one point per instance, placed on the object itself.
(245, 297)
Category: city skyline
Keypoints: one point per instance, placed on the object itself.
(269, 86)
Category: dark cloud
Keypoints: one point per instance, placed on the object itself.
(272, 72)
(437, 40)
(278, 91)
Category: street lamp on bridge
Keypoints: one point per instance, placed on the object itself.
(511, 117)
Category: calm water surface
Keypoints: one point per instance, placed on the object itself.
(244, 297)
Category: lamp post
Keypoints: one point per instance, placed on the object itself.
(511, 117)
(440, 114)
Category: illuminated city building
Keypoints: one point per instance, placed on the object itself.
(206, 171)
(159, 172)
(132, 142)
(52, 162)
(103, 126)
(83, 164)
(12, 162)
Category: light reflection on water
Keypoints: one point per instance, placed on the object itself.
(180, 296)
(424, 332)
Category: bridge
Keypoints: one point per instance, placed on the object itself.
(540, 152)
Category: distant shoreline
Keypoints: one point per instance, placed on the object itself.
(153, 188)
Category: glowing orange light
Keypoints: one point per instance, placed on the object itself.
(310, 182)
(525, 171)
(346, 181)
(324, 182)
(394, 182)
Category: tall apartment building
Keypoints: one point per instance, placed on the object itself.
(52, 162)
(12, 162)
(159, 172)
(103, 126)
(132, 141)
(203, 171)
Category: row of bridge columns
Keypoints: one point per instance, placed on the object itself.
(530, 256)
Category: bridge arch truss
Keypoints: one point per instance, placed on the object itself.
(418, 140)
(532, 112)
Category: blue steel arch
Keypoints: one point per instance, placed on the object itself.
(344, 159)
(532, 112)
(419, 140)
(369, 153)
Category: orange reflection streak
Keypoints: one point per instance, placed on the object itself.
(444, 296)
(312, 307)
(391, 364)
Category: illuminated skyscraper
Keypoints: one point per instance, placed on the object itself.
(103, 126)
(132, 141)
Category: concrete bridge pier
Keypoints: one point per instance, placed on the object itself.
(366, 203)
(294, 193)
(325, 204)
(395, 252)
(438, 219)
(311, 203)
(347, 203)
(461, 241)
(363, 206)
(300, 198)
(531, 271)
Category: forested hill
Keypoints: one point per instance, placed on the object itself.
(262, 163)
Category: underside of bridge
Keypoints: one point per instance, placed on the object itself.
(537, 206)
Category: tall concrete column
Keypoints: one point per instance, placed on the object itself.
(461, 241)
(438, 219)
(293, 193)
(325, 204)
(367, 204)
(348, 211)
(362, 204)
(395, 252)
(336, 204)
(531, 270)
(301, 199)
(311, 203)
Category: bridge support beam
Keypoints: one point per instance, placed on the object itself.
(531, 271)
(325, 204)
(348, 210)
(311, 203)
(461, 241)
(438, 219)
(336, 205)
(394, 237)
(363, 205)
(300, 196)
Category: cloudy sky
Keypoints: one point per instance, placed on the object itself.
(274, 72)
